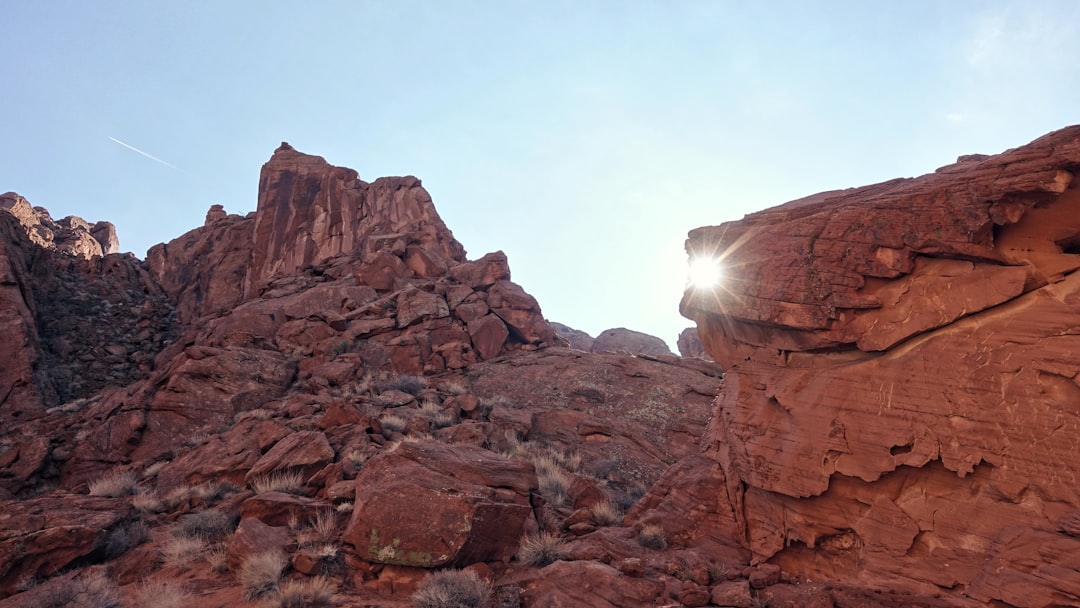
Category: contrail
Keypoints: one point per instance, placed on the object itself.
(150, 156)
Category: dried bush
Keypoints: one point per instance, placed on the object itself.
(218, 559)
(452, 589)
(181, 550)
(91, 590)
(278, 481)
(554, 485)
(114, 485)
(406, 384)
(210, 526)
(312, 593)
(147, 501)
(260, 574)
(161, 594)
(325, 524)
(125, 536)
(154, 469)
(652, 536)
(541, 549)
(454, 387)
(392, 423)
(606, 513)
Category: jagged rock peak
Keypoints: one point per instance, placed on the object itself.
(72, 235)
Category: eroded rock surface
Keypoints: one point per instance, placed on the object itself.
(900, 398)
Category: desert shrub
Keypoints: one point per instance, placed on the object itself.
(454, 387)
(605, 513)
(541, 549)
(285, 480)
(180, 550)
(161, 594)
(325, 524)
(392, 423)
(406, 384)
(554, 485)
(311, 593)
(442, 420)
(176, 497)
(91, 590)
(125, 536)
(214, 491)
(628, 497)
(260, 574)
(452, 589)
(357, 457)
(218, 559)
(114, 485)
(147, 501)
(154, 469)
(652, 536)
(210, 526)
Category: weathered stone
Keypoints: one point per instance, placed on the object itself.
(430, 505)
(891, 348)
(302, 451)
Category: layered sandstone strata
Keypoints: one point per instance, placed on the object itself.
(900, 404)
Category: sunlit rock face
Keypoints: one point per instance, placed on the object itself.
(900, 404)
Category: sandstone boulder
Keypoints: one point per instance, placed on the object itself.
(431, 505)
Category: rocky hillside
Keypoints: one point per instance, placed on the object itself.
(901, 407)
(327, 403)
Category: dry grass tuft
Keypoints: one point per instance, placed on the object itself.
(161, 594)
(91, 590)
(210, 526)
(606, 513)
(652, 536)
(218, 559)
(392, 423)
(154, 469)
(115, 485)
(181, 550)
(454, 387)
(452, 589)
(554, 485)
(541, 549)
(278, 481)
(147, 501)
(312, 593)
(260, 574)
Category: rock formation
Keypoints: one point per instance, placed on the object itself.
(900, 400)
(690, 344)
(616, 340)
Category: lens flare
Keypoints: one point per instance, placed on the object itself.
(705, 272)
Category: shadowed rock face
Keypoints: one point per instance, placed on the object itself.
(900, 396)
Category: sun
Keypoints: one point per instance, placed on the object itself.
(705, 272)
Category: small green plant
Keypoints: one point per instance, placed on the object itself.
(312, 593)
(452, 589)
(285, 480)
(652, 536)
(259, 574)
(541, 549)
(115, 485)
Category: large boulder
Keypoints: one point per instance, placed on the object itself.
(431, 505)
(899, 403)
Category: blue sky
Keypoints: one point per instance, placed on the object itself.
(583, 138)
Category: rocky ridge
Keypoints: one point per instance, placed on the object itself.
(900, 400)
(302, 381)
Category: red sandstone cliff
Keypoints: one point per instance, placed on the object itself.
(900, 403)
